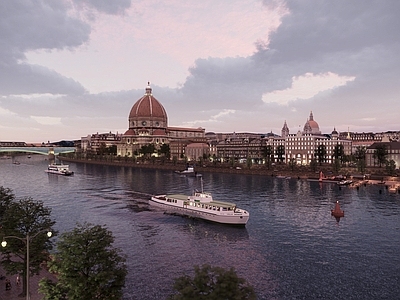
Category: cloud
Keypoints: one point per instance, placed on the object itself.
(306, 87)
(47, 120)
(225, 66)
(105, 6)
(212, 120)
(42, 25)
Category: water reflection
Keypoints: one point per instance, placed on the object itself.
(291, 248)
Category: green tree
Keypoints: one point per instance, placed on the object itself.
(359, 155)
(336, 165)
(380, 154)
(26, 220)
(338, 153)
(391, 167)
(87, 265)
(280, 152)
(267, 153)
(147, 150)
(313, 164)
(249, 162)
(212, 283)
(165, 150)
(292, 163)
(320, 154)
(6, 198)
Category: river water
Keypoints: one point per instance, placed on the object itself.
(291, 248)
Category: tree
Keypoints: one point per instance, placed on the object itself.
(380, 154)
(320, 154)
(360, 158)
(23, 220)
(165, 150)
(249, 162)
(391, 167)
(292, 163)
(87, 265)
(313, 164)
(6, 197)
(280, 152)
(267, 153)
(212, 283)
(338, 153)
(147, 150)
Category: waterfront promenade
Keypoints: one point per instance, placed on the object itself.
(15, 292)
(299, 172)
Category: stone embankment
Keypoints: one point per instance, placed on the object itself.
(279, 170)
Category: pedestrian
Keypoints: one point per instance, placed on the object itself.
(18, 280)
(8, 284)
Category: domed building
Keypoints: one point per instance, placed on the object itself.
(148, 124)
(311, 126)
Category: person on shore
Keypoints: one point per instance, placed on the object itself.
(8, 284)
(18, 280)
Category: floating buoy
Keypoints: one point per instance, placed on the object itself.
(337, 212)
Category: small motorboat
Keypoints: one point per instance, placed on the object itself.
(392, 189)
(188, 172)
(337, 212)
(345, 182)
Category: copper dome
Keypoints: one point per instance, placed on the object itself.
(148, 107)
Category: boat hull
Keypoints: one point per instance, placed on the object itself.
(232, 218)
(69, 173)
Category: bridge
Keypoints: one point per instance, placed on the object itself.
(39, 150)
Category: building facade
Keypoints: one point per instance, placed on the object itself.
(148, 124)
(302, 145)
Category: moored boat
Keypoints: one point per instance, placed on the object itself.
(59, 169)
(189, 171)
(345, 182)
(201, 205)
(392, 189)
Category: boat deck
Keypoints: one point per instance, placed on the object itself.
(214, 202)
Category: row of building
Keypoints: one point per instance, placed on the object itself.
(148, 124)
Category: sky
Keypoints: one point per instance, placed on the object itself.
(70, 68)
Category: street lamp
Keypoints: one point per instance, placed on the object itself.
(27, 241)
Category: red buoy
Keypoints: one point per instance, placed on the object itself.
(337, 212)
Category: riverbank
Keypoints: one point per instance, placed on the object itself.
(299, 172)
(15, 292)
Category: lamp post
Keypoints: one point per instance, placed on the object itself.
(27, 241)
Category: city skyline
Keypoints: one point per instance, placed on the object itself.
(75, 67)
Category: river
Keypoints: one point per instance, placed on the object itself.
(291, 248)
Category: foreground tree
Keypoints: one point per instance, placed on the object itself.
(87, 265)
(212, 283)
(25, 223)
(6, 197)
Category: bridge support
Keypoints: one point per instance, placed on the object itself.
(51, 153)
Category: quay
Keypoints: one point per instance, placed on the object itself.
(298, 173)
(16, 290)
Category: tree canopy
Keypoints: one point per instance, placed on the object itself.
(380, 154)
(320, 153)
(87, 265)
(24, 221)
(212, 283)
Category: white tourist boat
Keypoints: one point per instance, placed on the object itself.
(59, 169)
(202, 205)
